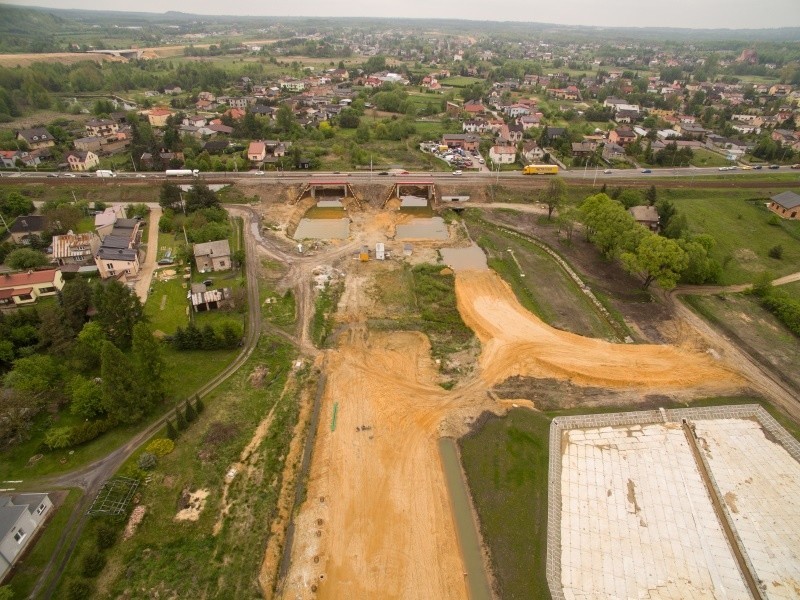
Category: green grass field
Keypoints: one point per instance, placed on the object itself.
(506, 463)
(460, 82)
(707, 158)
(743, 231)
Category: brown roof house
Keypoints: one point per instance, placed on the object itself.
(786, 204)
(645, 215)
(79, 160)
(26, 288)
(36, 138)
(213, 256)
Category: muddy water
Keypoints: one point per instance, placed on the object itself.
(322, 229)
(468, 538)
(425, 229)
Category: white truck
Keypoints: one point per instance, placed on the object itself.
(105, 173)
(182, 172)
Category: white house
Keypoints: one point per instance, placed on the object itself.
(503, 155)
(21, 515)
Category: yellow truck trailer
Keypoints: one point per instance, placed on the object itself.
(540, 170)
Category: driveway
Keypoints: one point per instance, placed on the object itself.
(142, 286)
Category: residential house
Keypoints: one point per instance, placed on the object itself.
(465, 141)
(117, 262)
(613, 151)
(256, 152)
(555, 133)
(36, 138)
(158, 116)
(21, 516)
(118, 255)
(75, 248)
(9, 158)
(583, 149)
(474, 126)
(474, 107)
(213, 256)
(293, 85)
(690, 130)
(235, 113)
(79, 160)
(516, 110)
(216, 146)
(515, 132)
(531, 151)
(101, 127)
(622, 136)
(195, 120)
(89, 144)
(25, 227)
(645, 215)
(104, 221)
(17, 289)
(503, 155)
(528, 121)
(207, 96)
(786, 204)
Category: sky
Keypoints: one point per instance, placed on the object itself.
(695, 14)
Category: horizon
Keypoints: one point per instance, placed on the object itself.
(717, 15)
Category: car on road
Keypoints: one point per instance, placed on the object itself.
(52, 174)
(646, 171)
(68, 174)
(758, 167)
(141, 176)
(796, 166)
(383, 173)
(747, 168)
(607, 171)
(774, 166)
(457, 172)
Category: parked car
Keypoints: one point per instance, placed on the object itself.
(646, 171)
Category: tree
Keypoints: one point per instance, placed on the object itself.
(656, 259)
(700, 268)
(553, 195)
(62, 217)
(200, 196)
(349, 119)
(121, 397)
(629, 198)
(89, 345)
(170, 196)
(180, 420)
(15, 204)
(118, 310)
(37, 377)
(76, 298)
(651, 195)
(149, 364)
(189, 412)
(26, 258)
(87, 398)
(55, 334)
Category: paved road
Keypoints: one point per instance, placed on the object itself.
(142, 287)
(482, 175)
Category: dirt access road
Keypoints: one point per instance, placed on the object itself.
(377, 522)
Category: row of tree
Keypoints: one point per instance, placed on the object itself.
(653, 258)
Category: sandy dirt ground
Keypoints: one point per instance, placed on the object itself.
(515, 342)
(377, 522)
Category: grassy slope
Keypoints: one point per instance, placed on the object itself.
(184, 558)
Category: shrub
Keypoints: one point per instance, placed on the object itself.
(172, 434)
(191, 415)
(147, 461)
(106, 537)
(776, 252)
(58, 437)
(92, 564)
(198, 405)
(79, 589)
(180, 419)
(160, 447)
